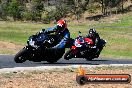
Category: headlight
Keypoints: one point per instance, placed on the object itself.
(105, 41)
(77, 44)
(31, 42)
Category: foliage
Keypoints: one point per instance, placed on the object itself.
(33, 10)
(49, 10)
(14, 9)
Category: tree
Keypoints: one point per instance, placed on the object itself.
(109, 4)
(33, 10)
(78, 7)
(3, 9)
(56, 10)
(13, 9)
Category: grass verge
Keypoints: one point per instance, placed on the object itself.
(117, 32)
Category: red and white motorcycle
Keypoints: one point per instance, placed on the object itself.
(83, 48)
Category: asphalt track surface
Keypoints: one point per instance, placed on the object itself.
(7, 61)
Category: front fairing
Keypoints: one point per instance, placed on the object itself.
(102, 42)
(36, 40)
(79, 41)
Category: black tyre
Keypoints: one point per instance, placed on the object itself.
(81, 80)
(89, 59)
(51, 60)
(20, 57)
(68, 55)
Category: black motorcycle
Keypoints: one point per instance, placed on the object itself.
(39, 49)
(83, 48)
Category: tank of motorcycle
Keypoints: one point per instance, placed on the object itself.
(36, 40)
(88, 40)
(81, 41)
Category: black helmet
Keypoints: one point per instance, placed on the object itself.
(92, 31)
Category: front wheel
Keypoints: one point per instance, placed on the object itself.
(20, 57)
(68, 55)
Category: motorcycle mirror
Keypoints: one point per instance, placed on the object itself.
(43, 29)
(79, 32)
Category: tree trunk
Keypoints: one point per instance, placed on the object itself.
(103, 10)
(122, 8)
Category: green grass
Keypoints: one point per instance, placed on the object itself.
(18, 32)
(119, 37)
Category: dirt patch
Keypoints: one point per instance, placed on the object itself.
(8, 47)
(57, 79)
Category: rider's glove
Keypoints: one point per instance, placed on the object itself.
(93, 47)
(42, 31)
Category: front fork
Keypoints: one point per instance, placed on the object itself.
(77, 53)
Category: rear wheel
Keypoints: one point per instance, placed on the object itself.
(51, 60)
(89, 56)
(20, 57)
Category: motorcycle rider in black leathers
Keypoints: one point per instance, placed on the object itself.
(96, 38)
